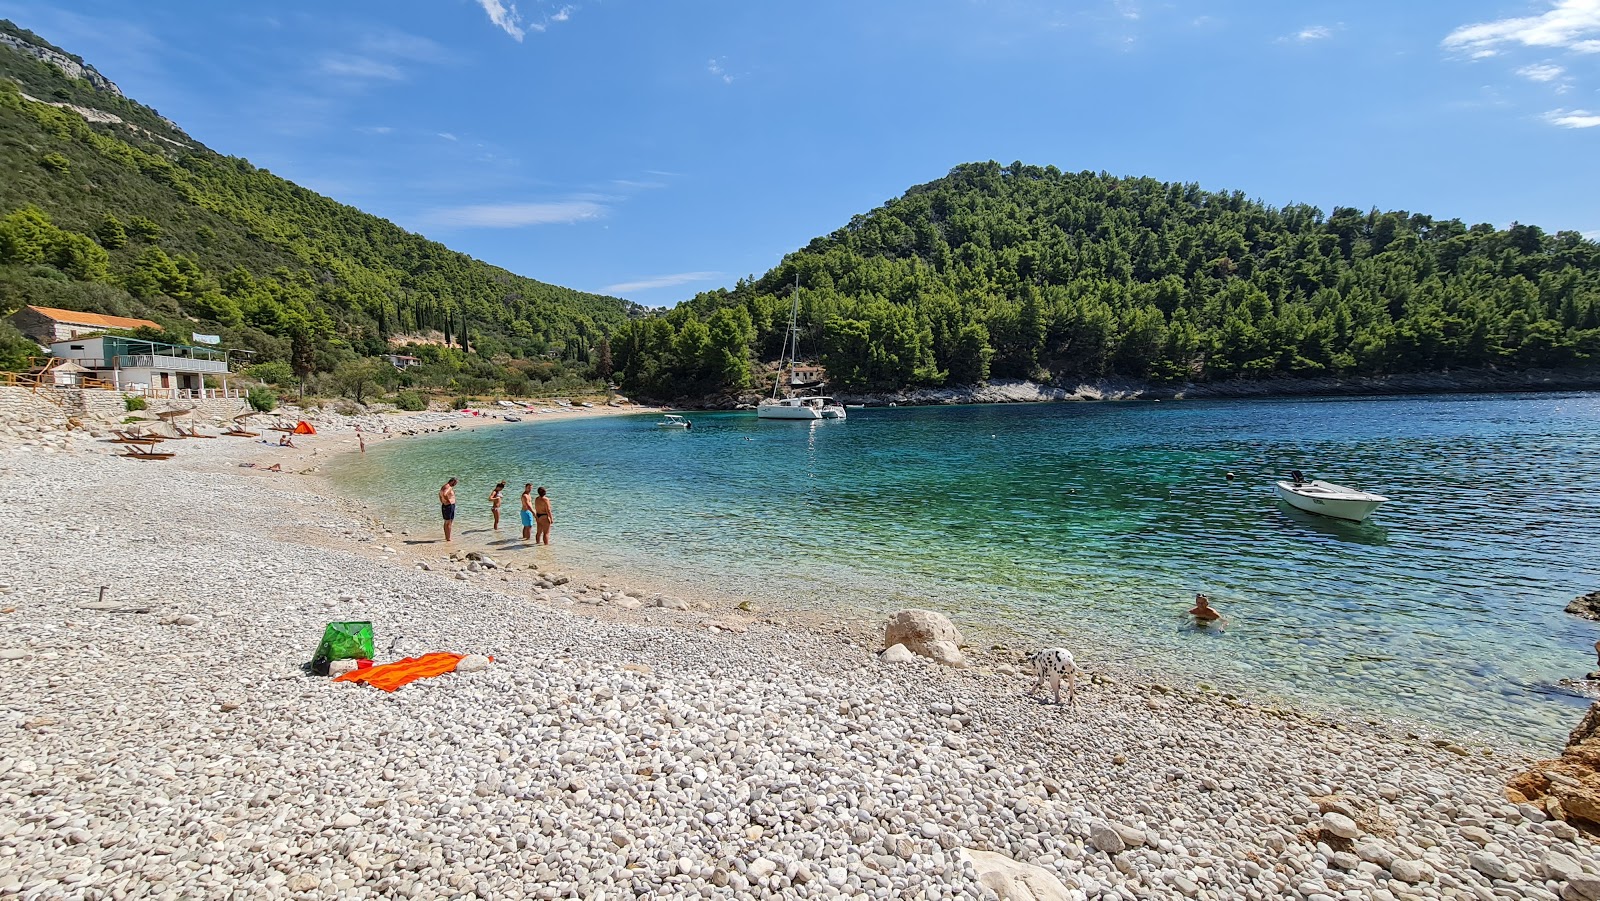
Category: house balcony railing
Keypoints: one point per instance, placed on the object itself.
(162, 361)
(188, 393)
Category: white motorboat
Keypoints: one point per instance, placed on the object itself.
(1328, 499)
(800, 408)
(511, 417)
(674, 421)
(813, 407)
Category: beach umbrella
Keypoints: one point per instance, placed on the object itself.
(174, 413)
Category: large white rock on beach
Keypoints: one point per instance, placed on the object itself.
(897, 653)
(1340, 825)
(926, 633)
(1014, 881)
(1106, 839)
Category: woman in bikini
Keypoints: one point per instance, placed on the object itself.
(494, 503)
(542, 513)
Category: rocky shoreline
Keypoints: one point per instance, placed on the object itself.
(1018, 391)
(165, 740)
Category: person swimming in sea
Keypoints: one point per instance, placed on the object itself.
(1205, 615)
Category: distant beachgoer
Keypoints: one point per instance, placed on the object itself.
(276, 467)
(447, 506)
(285, 441)
(544, 516)
(1204, 614)
(1597, 653)
(362, 441)
(527, 512)
(494, 503)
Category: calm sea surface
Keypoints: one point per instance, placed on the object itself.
(1094, 524)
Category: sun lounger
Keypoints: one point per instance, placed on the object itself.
(134, 453)
(241, 433)
(125, 437)
(192, 432)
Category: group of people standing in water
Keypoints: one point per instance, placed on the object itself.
(537, 514)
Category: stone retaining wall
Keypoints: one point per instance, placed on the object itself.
(53, 405)
(18, 404)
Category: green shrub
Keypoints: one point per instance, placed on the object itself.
(55, 162)
(460, 403)
(110, 233)
(273, 372)
(16, 350)
(262, 400)
(144, 229)
(134, 403)
(410, 400)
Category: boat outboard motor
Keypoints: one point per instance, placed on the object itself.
(1299, 478)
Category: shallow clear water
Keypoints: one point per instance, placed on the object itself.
(1095, 524)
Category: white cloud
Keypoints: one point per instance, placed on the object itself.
(660, 281)
(448, 136)
(715, 68)
(517, 215)
(1313, 33)
(344, 66)
(400, 45)
(1570, 24)
(562, 14)
(1542, 72)
(1592, 234)
(376, 130)
(1573, 118)
(504, 16)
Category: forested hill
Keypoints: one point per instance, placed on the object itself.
(1028, 272)
(108, 207)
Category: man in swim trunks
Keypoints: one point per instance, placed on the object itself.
(527, 512)
(1204, 614)
(447, 506)
(542, 513)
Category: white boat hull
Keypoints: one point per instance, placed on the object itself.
(802, 408)
(781, 411)
(1328, 499)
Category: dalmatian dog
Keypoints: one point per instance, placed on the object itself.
(1052, 664)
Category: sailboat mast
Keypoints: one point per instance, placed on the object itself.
(791, 342)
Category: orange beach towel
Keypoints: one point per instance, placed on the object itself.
(391, 676)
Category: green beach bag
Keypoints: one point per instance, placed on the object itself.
(342, 641)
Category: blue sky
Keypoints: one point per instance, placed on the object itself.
(653, 149)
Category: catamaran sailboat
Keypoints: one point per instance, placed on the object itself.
(815, 407)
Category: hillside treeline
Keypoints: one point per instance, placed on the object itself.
(1028, 272)
(136, 219)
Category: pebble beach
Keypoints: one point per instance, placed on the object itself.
(164, 738)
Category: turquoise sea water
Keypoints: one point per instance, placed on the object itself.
(1094, 524)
